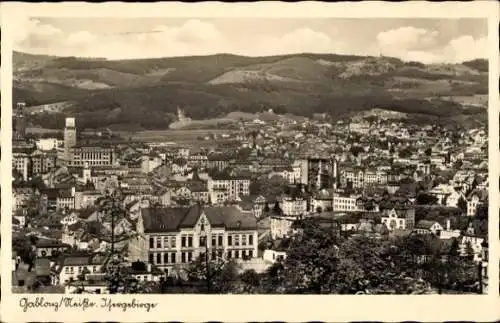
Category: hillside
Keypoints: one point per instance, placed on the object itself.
(147, 92)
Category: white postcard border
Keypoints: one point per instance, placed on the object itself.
(259, 307)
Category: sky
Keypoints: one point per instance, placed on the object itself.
(424, 40)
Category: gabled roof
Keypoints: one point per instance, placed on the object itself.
(482, 194)
(173, 218)
(81, 259)
(425, 224)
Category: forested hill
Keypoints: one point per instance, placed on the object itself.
(147, 92)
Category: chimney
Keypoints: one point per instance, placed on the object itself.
(73, 191)
(448, 225)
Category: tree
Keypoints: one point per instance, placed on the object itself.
(251, 281)
(426, 199)
(24, 249)
(469, 251)
(356, 150)
(405, 153)
(311, 259)
(349, 186)
(119, 279)
(462, 204)
(277, 208)
(268, 187)
(369, 205)
(213, 276)
(482, 211)
(255, 187)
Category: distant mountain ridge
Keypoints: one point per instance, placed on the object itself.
(147, 92)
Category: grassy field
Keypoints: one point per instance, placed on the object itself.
(172, 135)
(148, 135)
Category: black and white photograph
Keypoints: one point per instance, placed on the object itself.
(344, 156)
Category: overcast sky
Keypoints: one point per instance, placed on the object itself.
(424, 40)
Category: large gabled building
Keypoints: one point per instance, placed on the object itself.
(171, 238)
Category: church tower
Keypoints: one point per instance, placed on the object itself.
(69, 138)
(86, 173)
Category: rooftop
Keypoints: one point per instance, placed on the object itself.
(173, 218)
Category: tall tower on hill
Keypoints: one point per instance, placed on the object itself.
(69, 137)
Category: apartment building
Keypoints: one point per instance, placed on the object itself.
(233, 186)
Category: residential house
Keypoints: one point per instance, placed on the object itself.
(70, 266)
(345, 203)
(50, 248)
(322, 200)
(70, 219)
(474, 200)
(274, 255)
(428, 227)
(474, 242)
(233, 185)
(442, 192)
(86, 198)
(162, 196)
(452, 200)
(294, 205)
(448, 232)
(399, 218)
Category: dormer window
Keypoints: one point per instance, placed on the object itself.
(202, 225)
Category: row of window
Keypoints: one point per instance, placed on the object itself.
(71, 270)
(186, 257)
(167, 242)
(169, 258)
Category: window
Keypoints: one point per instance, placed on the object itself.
(66, 270)
(250, 253)
(214, 255)
(236, 254)
(151, 243)
(219, 253)
(190, 256)
(237, 240)
(214, 241)
(158, 258)
(229, 240)
(190, 241)
(203, 241)
(165, 242)
(243, 240)
(172, 258)
(229, 254)
(165, 258)
(173, 242)
(183, 242)
(250, 239)
(158, 243)
(94, 269)
(151, 257)
(220, 241)
(183, 257)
